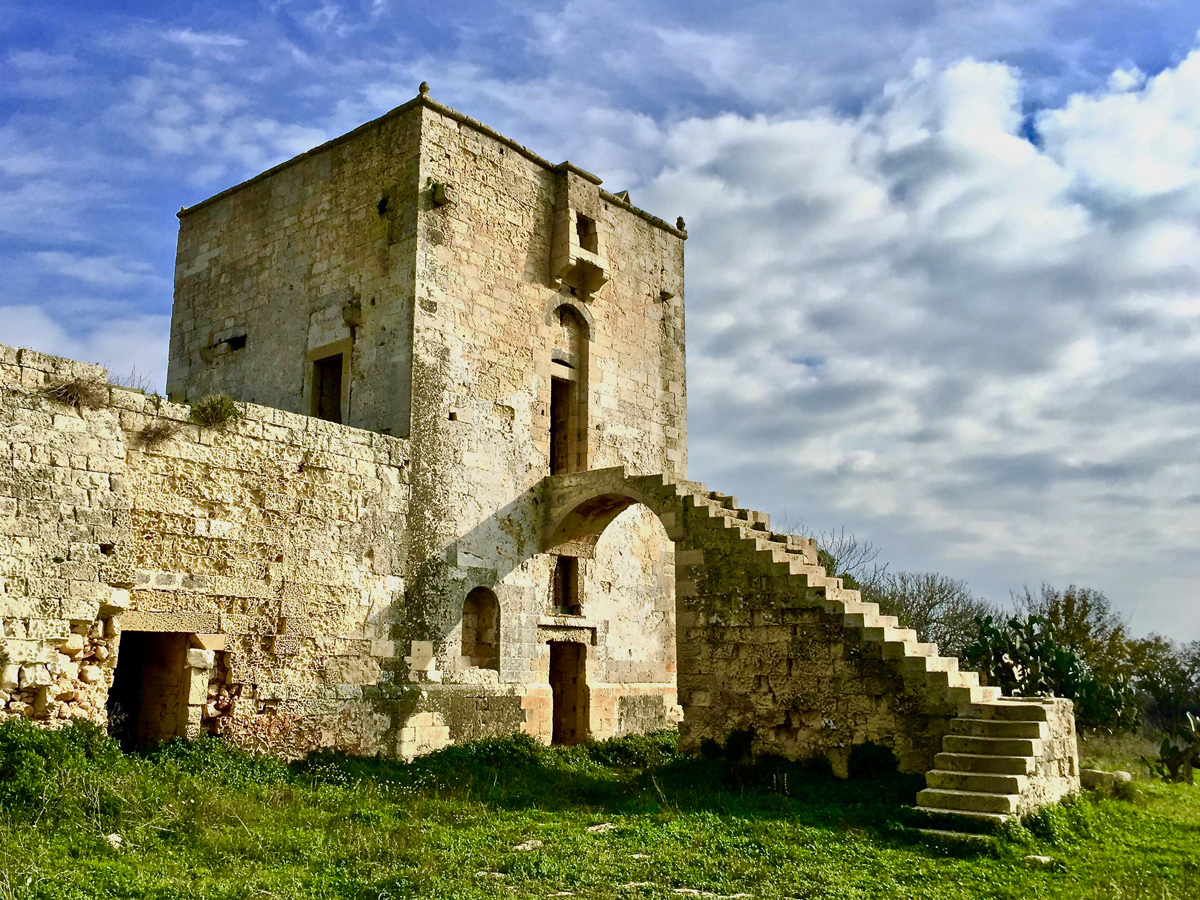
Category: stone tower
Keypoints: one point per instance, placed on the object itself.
(427, 278)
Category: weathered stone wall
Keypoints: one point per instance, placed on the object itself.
(277, 550)
(64, 528)
(315, 253)
(1057, 768)
(275, 546)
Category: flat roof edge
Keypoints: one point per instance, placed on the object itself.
(450, 113)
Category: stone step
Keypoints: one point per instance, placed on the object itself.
(881, 633)
(955, 678)
(968, 801)
(1013, 710)
(958, 820)
(799, 567)
(974, 762)
(866, 620)
(998, 728)
(864, 607)
(940, 837)
(916, 650)
(971, 695)
(990, 746)
(980, 782)
(724, 500)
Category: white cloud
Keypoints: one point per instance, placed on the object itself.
(103, 271)
(1132, 143)
(124, 345)
(916, 319)
(201, 41)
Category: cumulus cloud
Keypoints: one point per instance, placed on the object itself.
(977, 350)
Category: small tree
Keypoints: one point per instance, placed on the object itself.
(854, 561)
(1168, 681)
(941, 609)
(1082, 619)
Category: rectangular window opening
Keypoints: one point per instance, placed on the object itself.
(566, 589)
(327, 388)
(560, 426)
(585, 228)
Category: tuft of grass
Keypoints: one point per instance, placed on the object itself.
(134, 380)
(217, 411)
(157, 433)
(80, 393)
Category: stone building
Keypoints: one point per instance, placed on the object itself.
(456, 503)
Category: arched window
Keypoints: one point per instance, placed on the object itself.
(481, 629)
(568, 393)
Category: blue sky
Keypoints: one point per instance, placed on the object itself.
(944, 264)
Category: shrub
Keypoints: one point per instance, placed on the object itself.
(1024, 656)
(1179, 755)
(217, 758)
(217, 411)
(80, 393)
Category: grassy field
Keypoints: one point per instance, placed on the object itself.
(624, 819)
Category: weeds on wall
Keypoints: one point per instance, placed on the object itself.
(157, 433)
(217, 411)
(80, 393)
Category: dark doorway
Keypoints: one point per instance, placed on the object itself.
(327, 388)
(147, 702)
(560, 426)
(568, 687)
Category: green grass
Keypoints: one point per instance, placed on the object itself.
(202, 820)
(1118, 751)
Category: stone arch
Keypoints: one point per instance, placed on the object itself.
(558, 301)
(768, 647)
(581, 506)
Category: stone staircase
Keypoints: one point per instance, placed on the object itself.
(992, 747)
(991, 755)
(982, 777)
(919, 661)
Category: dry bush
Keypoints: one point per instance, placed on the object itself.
(157, 433)
(217, 411)
(80, 393)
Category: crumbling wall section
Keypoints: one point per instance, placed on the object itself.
(275, 544)
(65, 516)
